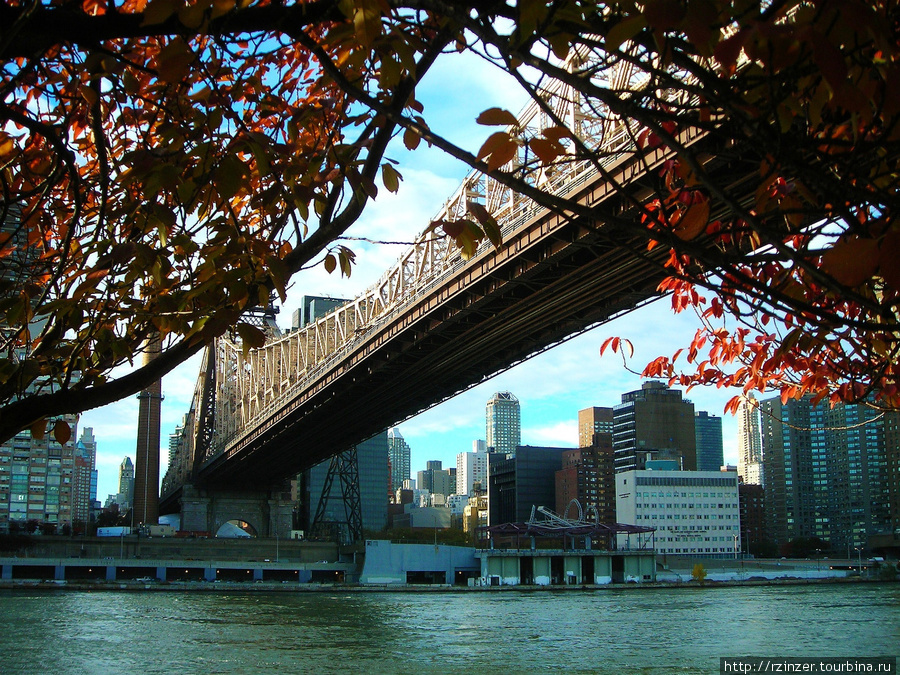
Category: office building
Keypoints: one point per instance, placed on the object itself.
(399, 458)
(521, 481)
(503, 424)
(826, 472)
(436, 479)
(653, 422)
(593, 421)
(126, 484)
(754, 533)
(750, 457)
(373, 481)
(694, 512)
(313, 307)
(708, 435)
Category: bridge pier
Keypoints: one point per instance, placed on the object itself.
(208, 510)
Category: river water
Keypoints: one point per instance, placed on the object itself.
(646, 631)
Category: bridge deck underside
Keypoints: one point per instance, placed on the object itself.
(554, 279)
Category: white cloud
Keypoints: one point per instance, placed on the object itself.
(560, 434)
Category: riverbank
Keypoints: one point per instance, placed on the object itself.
(292, 587)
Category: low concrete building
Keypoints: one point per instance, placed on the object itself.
(549, 567)
(390, 563)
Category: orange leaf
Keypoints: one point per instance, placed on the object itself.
(546, 150)
(693, 222)
(493, 142)
(38, 429)
(497, 117)
(889, 259)
(502, 155)
(851, 261)
(62, 432)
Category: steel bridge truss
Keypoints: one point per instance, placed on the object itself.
(237, 391)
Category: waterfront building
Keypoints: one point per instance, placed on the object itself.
(37, 480)
(653, 422)
(593, 421)
(399, 458)
(503, 423)
(826, 472)
(694, 512)
(587, 475)
(126, 484)
(524, 480)
(750, 456)
(708, 435)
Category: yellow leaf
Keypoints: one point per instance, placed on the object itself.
(623, 31)
(221, 7)
(174, 61)
(411, 139)
(330, 263)
(390, 177)
(158, 11)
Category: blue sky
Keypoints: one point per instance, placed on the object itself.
(551, 387)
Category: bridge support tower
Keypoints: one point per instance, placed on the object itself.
(268, 513)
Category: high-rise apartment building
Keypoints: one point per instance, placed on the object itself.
(825, 472)
(126, 484)
(37, 480)
(84, 483)
(471, 468)
(587, 475)
(708, 434)
(750, 457)
(503, 423)
(399, 458)
(593, 421)
(653, 422)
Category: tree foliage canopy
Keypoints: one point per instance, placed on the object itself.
(166, 165)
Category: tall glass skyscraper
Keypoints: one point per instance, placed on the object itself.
(503, 423)
(398, 455)
(710, 450)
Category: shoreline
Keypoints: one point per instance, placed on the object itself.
(278, 587)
